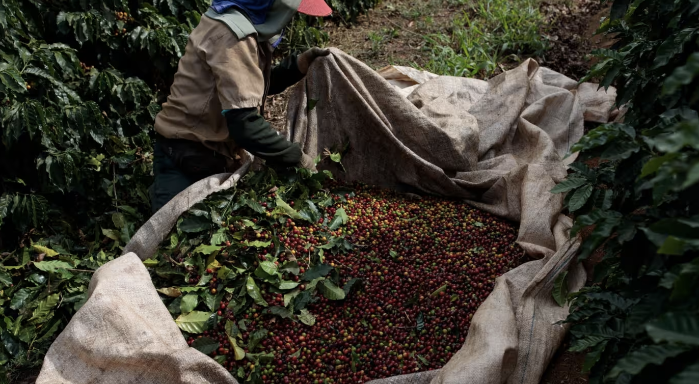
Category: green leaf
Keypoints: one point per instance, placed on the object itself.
(45, 307)
(19, 299)
(672, 246)
(580, 197)
(37, 278)
(692, 176)
(330, 290)
(256, 337)
(193, 322)
(311, 286)
(5, 204)
(119, 220)
(5, 278)
(12, 345)
(672, 46)
(282, 312)
(205, 279)
(257, 243)
(339, 219)
(350, 284)
(316, 271)
(683, 134)
(174, 240)
(52, 265)
(652, 165)
(675, 328)
(290, 267)
(284, 285)
(254, 292)
(194, 224)
(635, 361)
(219, 237)
(112, 234)
(423, 360)
(150, 263)
(289, 296)
(11, 78)
(683, 75)
(560, 289)
(605, 199)
(586, 342)
(619, 8)
(593, 356)
(232, 329)
(269, 267)
(302, 300)
(312, 212)
(206, 249)
(439, 290)
(205, 345)
(189, 302)
(306, 317)
(238, 353)
(689, 375)
(568, 184)
(420, 325)
(336, 157)
(286, 209)
(312, 104)
(45, 250)
(50, 330)
(254, 205)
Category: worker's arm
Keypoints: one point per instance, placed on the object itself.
(285, 75)
(292, 69)
(253, 133)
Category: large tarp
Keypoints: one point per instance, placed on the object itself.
(498, 144)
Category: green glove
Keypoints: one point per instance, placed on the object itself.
(253, 133)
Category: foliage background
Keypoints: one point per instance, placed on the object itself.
(80, 84)
(634, 191)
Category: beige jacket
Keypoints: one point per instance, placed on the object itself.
(217, 72)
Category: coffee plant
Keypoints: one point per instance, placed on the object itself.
(80, 84)
(634, 192)
(295, 278)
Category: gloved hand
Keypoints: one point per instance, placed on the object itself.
(308, 163)
(305, 59)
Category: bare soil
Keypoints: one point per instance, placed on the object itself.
(571, 34)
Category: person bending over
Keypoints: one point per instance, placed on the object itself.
(217, 97)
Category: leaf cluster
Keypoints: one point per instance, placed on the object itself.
(633, 190)
(213, 240)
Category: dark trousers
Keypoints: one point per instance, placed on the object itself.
(177, 164)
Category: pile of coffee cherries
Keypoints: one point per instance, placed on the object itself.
(425, 266)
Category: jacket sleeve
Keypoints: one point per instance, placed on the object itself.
(284, 75)
(254, 134)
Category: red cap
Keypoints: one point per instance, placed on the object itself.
(315, 8)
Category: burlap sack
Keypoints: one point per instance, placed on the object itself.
(497, 144)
